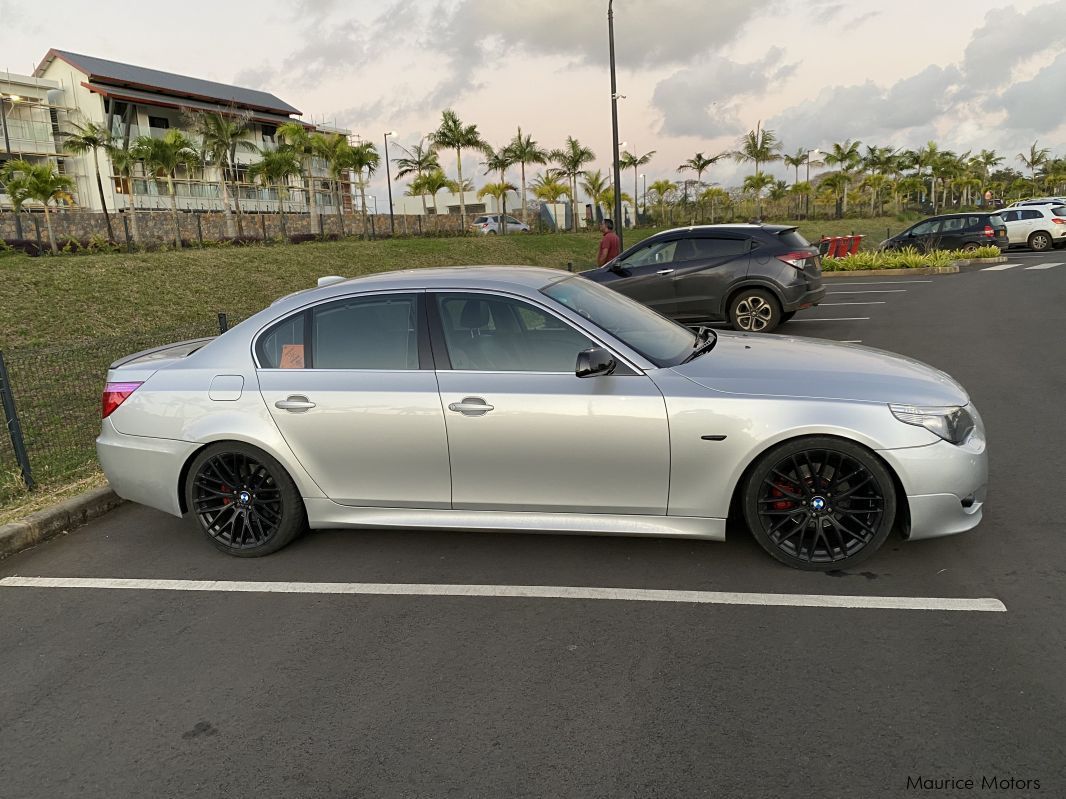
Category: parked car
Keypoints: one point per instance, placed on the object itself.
(488, 224)
(966, 231)
(753, 276)
(525, 399)
(1038, 227)
(1039, 201)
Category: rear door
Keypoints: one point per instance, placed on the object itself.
(952, 232)
(645, 273)
(704, 269)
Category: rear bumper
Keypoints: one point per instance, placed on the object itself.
(142, 469)
(946, 485)
(802, 297)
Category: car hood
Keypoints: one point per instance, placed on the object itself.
(783, 366)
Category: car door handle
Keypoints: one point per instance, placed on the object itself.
(471, 406)
(665, 272)
(296, 404)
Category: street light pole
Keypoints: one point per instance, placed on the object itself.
(7, 149)
(388, 177)
(614, 129)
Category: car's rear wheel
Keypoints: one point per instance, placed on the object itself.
(970, 246)
(754, 311)
(819, 503)
(244, 501)
(1040, 241)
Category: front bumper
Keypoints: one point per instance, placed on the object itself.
(946, 485)
(142, 469)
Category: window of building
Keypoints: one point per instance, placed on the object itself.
(159, 122)
(269, 133)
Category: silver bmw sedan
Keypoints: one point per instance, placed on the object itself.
(515, 398)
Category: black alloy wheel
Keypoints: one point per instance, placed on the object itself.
(820, 503)
(245, 502)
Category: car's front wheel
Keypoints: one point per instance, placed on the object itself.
(819, 503)
(244, 500)
(754, 311)
(1040, 241)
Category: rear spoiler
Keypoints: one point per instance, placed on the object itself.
(180, 349)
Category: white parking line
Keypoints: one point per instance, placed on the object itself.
(872, 291)
(835, 319)
(834, 284)
(522, 592)
(1044, 266)
(873, 302)
(998, 267)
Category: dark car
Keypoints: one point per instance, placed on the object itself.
(752, 276)
(952, 232)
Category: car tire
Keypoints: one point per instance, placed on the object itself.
(819, 503)
(754, 310)
(243, 500)
(970, 246)
(1040, 242)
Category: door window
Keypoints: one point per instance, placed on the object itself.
(1027, 214)
(490, 333)
(660, 252)
(953, 224)
(924, 228)
(282, 347)
(1009, 216)
(704, 248)
(378, 332)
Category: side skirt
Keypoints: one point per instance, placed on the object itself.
(324, 514)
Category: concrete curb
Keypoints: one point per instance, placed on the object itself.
(49, 523)
(955, 267)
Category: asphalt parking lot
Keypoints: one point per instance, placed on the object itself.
(149, 690)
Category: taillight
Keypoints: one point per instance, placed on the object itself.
(989, 232)
(1058, 220)
(115, 394)
(797, 260)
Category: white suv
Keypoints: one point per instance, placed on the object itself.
(1038, 227)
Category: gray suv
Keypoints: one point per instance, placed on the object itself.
(752, 276)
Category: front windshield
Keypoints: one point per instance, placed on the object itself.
(661, 341)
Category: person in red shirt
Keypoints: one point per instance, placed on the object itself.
(609, 244)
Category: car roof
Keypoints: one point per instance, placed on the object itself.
(737, 227)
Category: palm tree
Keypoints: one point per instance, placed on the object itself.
(221, 135)
(417, 161)
(125, 163)
(363, 157)
(595, 185)
(846, 157)
(629, 160)
(164, 156)
(333, 148)
(276, 168)
(88, 137)
(524, 150)
(875, 184)
(837, 182)
(1036, 158)
(454, 135)
(754, 184)
(25, 181)
(759, 147)
(571, 160)
(297, 136)
(714, 195)
(431, 183)
(663, 190)
(927, 157)
(548, 188)
(699, 164)
(778, 191)
(796, 161)
(498, 161)
(498, 191)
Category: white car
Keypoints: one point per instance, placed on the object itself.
(487, 224)
(1039, 201)
(1038, 227)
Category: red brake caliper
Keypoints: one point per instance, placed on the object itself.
(225, 490)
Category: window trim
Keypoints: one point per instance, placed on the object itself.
(425, 355)
(626, 366)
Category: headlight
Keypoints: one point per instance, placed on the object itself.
(951, 423)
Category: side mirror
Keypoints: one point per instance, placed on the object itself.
(593, 362)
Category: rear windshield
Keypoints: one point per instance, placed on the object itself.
(1059, 210)
(792, 238)
(995, 220)
(481, 220)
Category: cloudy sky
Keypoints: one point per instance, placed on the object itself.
(969, 73)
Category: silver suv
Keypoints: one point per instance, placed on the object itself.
(1038, 227)
(490, 223)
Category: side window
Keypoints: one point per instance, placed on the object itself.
(1027, 214)
(491, 333)
(660, 252)
(1009, 216)
(282, 347)
(719, 248)
(925, 228)
(953, 224)
(379, 332)
(974, 223)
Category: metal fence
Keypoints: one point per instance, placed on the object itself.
(51, 404)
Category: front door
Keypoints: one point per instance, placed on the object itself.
(525, 433)
(645, 274)
(351, 387)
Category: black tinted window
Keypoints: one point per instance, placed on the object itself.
(1028, 214)
(792, 239)
(995, 220)
(715, 248)
(377, 332)
(953, 224)
(1058, 211)
(282, 347)
(1009, 216)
